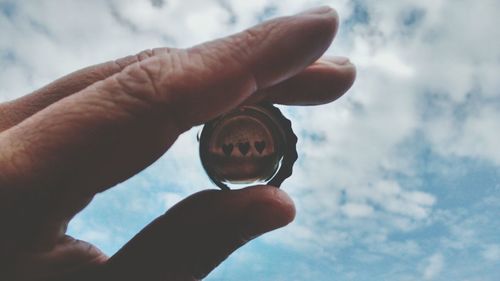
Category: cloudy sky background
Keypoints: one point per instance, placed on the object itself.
(398, 180)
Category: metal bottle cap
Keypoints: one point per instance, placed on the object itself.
(252, 144)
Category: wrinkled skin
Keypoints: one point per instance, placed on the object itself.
(92, 129)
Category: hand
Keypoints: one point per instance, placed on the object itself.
(94, 128)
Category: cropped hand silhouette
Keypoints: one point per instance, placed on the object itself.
(99, 126)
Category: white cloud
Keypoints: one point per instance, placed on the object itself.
(435, 264)
(95, 236)
(355, 210)
(170, 198)
(477, 136)
(492, 252)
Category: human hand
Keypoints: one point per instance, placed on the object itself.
(94, 128)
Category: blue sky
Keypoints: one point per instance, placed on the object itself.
(397, 180)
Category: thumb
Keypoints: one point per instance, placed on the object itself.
(197, 234)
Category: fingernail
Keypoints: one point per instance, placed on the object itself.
(317, 11)
(340, 60)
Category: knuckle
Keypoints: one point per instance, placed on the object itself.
(152, 85)
(140, 80)
(122, 63)
(145, 54)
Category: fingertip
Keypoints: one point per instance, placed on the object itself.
(349, 72)
(326, 19)
(343, 64)
(283, 208)
(278, 201)
(267, 207)
(270, 208)
(257, 201)
(345, 71)
(324, 81)
(318, 29)
(278, 49)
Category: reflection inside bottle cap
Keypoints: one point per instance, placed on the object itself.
(248, 146)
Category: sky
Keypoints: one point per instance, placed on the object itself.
(397, 180)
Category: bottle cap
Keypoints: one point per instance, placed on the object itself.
(254, 144)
